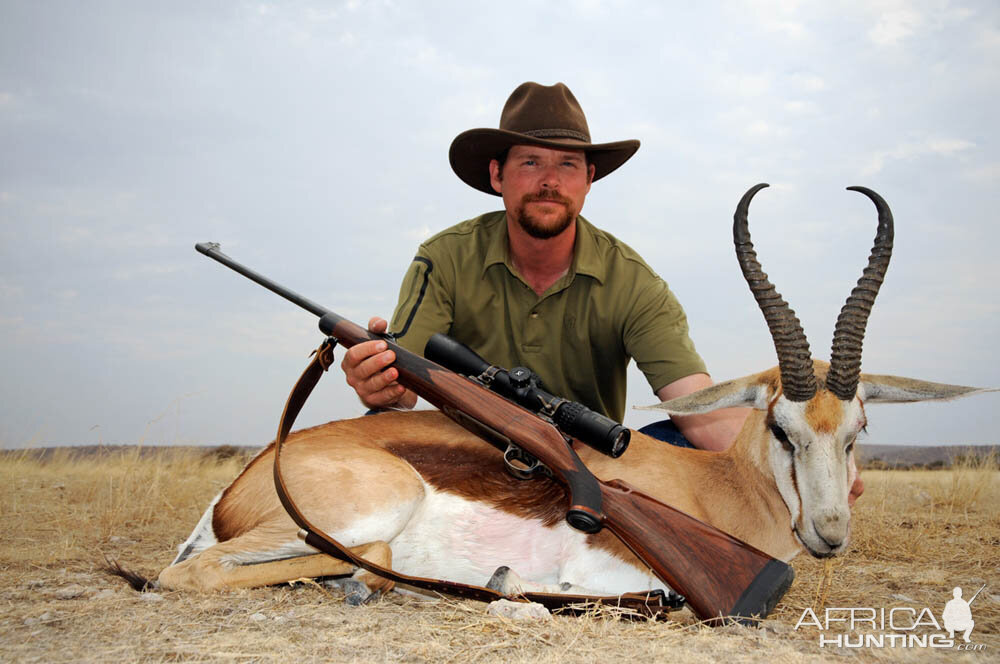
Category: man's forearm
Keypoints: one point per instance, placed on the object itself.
(714, 431)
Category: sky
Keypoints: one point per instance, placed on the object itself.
(310, 139)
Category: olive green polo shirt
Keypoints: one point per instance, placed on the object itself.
(578, 336)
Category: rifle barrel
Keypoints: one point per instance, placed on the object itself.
(214, 251)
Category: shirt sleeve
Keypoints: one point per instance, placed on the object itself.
(656, 336)
(426, 302)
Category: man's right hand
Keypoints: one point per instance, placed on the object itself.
(366, 366)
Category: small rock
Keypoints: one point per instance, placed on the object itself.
(30, 621)
(504, 608)
(903, 598)
(105, 594)
(280, 619)
(37, 583)
(45, 617)
(994, 598)
(257, 617)
(150, 597)
(116, 538)
(775, 627)
(70, 592)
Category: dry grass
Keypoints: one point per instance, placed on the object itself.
(917, 534)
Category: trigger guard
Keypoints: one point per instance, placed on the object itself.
(515, 453)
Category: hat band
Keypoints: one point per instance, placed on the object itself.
(557, 133)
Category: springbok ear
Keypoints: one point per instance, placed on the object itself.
(747, 391)
(896, 389)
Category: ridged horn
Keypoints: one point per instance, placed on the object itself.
(794, 358)
(848, 336)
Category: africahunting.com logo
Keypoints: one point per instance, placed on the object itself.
(898, 627)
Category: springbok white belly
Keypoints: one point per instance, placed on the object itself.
(463, 540)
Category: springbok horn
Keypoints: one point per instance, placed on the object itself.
(794, 358)
(845, 359)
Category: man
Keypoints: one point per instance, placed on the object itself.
(957, 615)
(536, 285)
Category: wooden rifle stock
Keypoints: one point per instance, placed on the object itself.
(718, 574)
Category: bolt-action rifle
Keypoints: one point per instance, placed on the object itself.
(718, 574)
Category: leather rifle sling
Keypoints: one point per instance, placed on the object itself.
(651, 603)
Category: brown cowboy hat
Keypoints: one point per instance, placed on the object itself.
(545, 115)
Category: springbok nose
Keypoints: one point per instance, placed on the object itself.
(832, 529)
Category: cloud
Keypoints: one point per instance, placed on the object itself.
(749, 85)
(792, 29)
(797, 106)
(989, 173)
(419, 234)
(989, 38)
(129, 272)
(9, 291)
(809, 82)
(143, 237)
(896, 25)
(945, 147)
(781, 16)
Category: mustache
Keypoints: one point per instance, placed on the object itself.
(546, 195)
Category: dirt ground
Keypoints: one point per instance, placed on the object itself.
(917, 534)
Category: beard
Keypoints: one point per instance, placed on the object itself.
(535, 227)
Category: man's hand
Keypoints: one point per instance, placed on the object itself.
(365, 365)
(854, 477)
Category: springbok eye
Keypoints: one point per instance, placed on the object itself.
(782, 437)
(850, 447)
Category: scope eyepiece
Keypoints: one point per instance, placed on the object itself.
(600, 432)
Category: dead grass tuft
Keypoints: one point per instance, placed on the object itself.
(916, 535)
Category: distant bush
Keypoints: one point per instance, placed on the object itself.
(222, 453)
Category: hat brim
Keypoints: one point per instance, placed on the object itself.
(471, 151)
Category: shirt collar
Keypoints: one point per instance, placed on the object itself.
(496, 250)
(586, 259)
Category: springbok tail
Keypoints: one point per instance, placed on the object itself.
(138, 582)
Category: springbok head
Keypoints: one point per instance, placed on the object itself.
(809, 413)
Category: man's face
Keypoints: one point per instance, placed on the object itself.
(543, 189)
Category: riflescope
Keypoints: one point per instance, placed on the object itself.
(523, 387)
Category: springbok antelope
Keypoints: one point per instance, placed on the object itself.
(415, 491)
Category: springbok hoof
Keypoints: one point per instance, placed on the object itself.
(356, 592)
(505, 581)
(496, 581)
